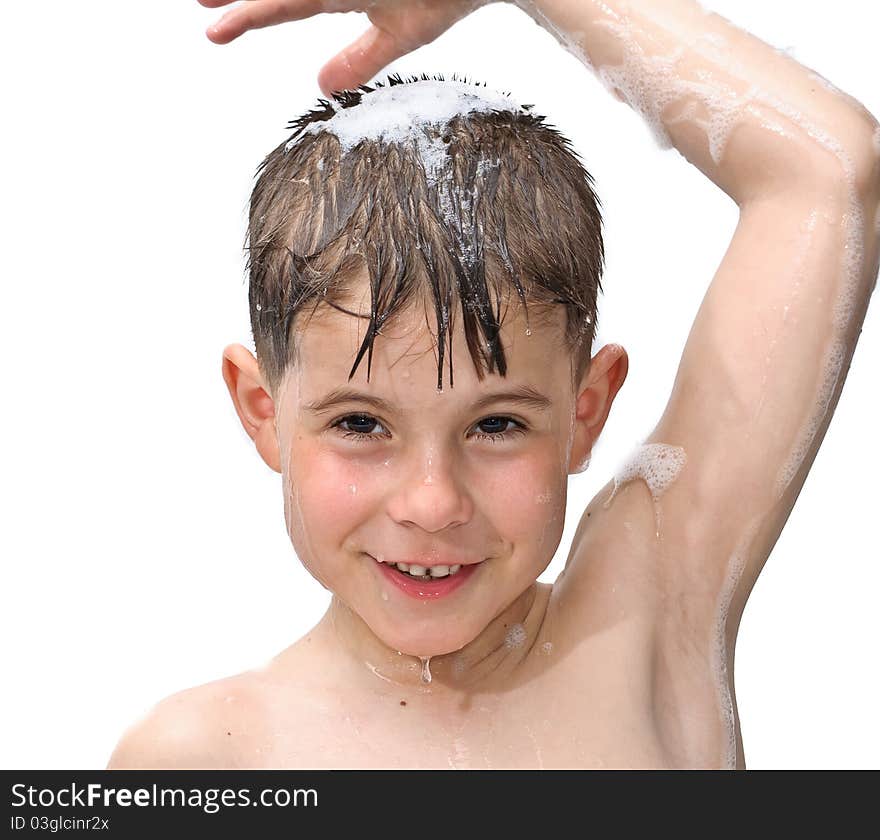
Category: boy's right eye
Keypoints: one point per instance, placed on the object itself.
(357, 424)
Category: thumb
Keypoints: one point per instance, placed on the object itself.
(360, 61)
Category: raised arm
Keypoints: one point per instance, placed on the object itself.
(768, 353)
(747, 115)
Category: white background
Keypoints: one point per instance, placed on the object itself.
(143, 543)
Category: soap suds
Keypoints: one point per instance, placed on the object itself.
(516, 636)
(657, 463)
(733, 574)
(832, 367)
(399, 114)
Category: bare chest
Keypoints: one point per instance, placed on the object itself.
(559, 720)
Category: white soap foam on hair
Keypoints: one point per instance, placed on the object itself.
(399, 113)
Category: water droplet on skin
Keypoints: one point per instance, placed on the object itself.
(384, 595)
(547, 647)
(528, 332)
(426, 668)
(353, 489)
(582, 466)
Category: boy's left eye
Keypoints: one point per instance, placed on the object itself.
(495, 428)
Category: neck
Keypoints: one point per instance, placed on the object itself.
(486, 660)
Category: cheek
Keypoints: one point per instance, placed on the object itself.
(330, 491)
(525, 497)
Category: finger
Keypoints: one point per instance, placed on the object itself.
(258, 14)
(215, 4)
(360, 61)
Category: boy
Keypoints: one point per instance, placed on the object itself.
(423, 222)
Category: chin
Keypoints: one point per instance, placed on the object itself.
(429, 642)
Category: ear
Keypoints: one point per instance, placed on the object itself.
(596, 392)
(252, 401)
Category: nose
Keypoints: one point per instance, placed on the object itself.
(432, 495)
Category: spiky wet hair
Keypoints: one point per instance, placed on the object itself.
(511, 208)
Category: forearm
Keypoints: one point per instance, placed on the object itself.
(748, 116)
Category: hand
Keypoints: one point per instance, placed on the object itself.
(398, 27)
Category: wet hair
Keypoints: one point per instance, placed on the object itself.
(509, 207)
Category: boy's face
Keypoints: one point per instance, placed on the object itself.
(427, 477)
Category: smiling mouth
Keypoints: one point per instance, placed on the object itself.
(417, 572)
(427, 582)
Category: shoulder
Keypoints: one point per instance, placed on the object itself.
(200, 727)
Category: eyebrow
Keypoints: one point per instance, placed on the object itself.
(525, 396)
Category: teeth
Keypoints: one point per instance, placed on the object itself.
(426, 572)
